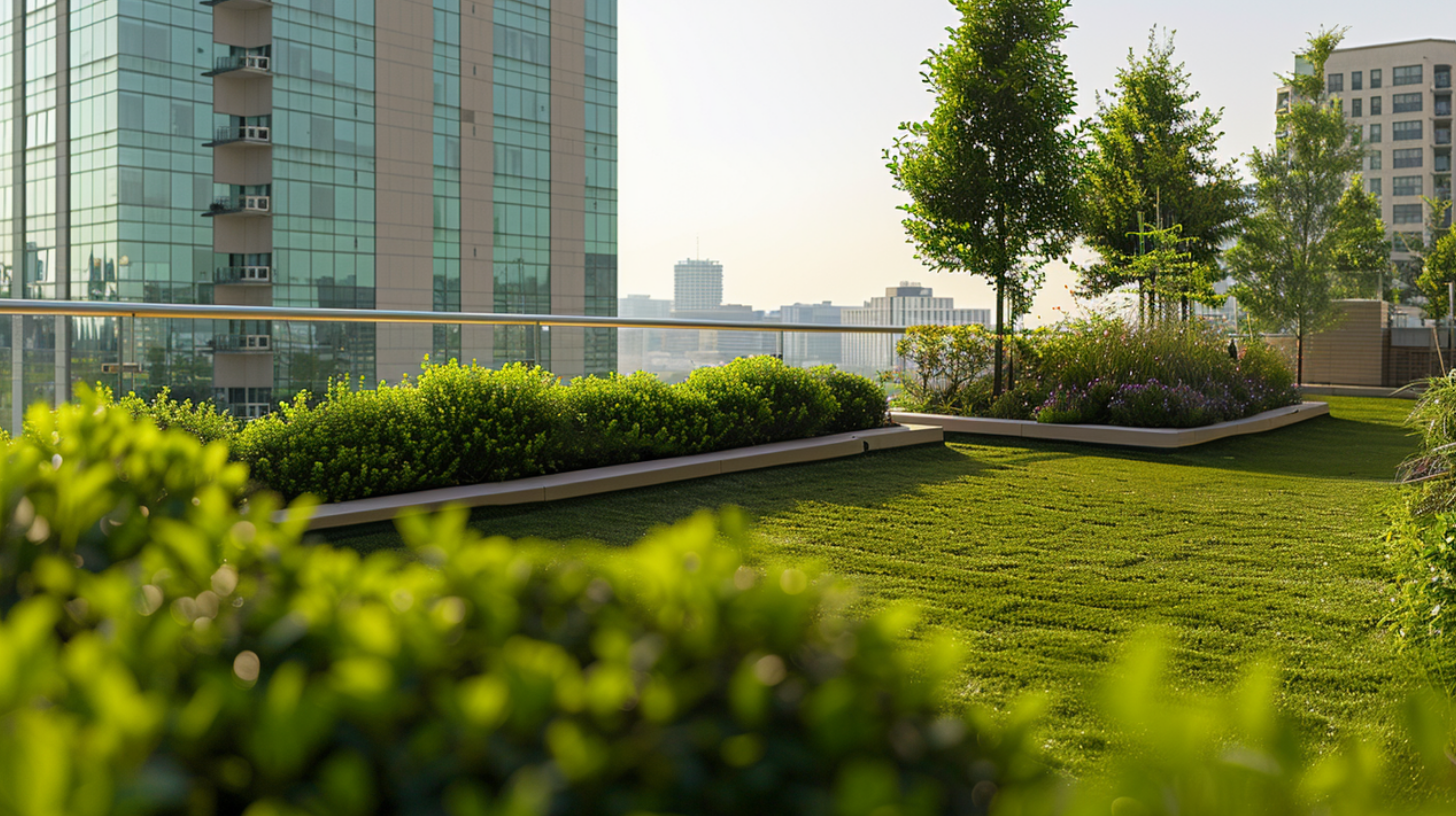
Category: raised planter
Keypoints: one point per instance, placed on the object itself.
(624, 477)
(1163, 438)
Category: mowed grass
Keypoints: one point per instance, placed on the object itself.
(1045, 558)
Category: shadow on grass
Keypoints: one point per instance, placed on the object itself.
(623, 517)
(1330, 447)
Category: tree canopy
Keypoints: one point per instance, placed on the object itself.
(1152, 164)
(991, 175)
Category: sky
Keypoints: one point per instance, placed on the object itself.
(752, 132)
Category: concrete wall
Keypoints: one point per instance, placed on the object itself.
(568, 182)
(1352, 353)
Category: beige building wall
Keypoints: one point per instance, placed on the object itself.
(404, 200)
(568, 182)
(1351, 353)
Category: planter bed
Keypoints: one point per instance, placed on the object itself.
(624, 477)
(1165, 438)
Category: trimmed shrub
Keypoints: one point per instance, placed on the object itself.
(206, 662)
(620, 419)
(862, 403)
(758, 400)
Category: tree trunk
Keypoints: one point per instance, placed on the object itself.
(1299, 357)
(1000, 318)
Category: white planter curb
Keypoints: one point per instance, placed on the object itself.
(624, 477)
(1162, 438)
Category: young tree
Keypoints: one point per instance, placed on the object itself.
(1361, 253)
(991, 175)
(1438, 261)
(1284, 262)
(1152, 164)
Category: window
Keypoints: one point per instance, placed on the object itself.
(1443, 76)
(1355, 105)
(1374, 106)
(1443, 163)
(1406, 131)
(1374, 134)
(1412, 157)
(1405, 214)
(1355, 83)
(1335, 83)
(1406, 75)
(1406, 103)
(1443, 105)
(1406, 186)
(1374, 157)
(1375, 79)
(1373, 185)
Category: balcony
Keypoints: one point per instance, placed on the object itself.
(243, 205)
(243, 275)
(243, 344)
(244, 135)
(245, 5)
(246, 64)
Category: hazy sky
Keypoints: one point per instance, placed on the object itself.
(757, 126)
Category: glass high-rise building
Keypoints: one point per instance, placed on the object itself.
(437, 156)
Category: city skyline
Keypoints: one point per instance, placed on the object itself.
(766, 148)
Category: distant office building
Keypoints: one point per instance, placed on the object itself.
(697, 284)
(636, 346)
(908, 304)
(801, 349)
(708, 346)
(1399, 96)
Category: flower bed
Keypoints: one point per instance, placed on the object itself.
(1098, 372)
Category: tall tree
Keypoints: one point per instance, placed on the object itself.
(1284, 262)
(1436, 254)
(991, 175)
(1361, 253)
(1152, 164)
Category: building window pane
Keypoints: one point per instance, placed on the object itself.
(1374, 160)
(1406, 75)
(1374, 134)
(1355, 80)
(1375, 106)
(1406, 103)
(1406, 214)
(1373, 185)
(1375, 79)
(1406, 131)
(1355, 107)
(1406, 186)
(1336, 83)
(1411, 157)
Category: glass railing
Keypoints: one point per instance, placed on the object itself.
(228, 134)
(243, 274)
(240, 62)
(246, 204)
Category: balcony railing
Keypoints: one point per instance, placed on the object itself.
(243, 274)
(242, 4)
(240, 205)
(243, 343)
(250, 63)
(242, 134)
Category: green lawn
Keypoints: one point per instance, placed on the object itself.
(1045, 557)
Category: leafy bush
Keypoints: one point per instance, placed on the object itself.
(759, 400)
(200, 660)
(1073, 374)
(861, 402)
(622, 419)
(202, 420)
(459, 425)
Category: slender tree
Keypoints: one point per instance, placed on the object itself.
(1285, 260)
(991, 176)
(1361, 253)
(1437, 257)
(1151, 165)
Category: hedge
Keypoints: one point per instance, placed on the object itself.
(458, 425)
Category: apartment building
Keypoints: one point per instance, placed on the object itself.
(432, 155)
(697, 285)
(1399, 97)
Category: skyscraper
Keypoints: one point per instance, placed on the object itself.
(434, 156)
(697, 285)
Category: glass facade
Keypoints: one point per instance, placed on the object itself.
(521, 251)
(324, 186)
(601, 180)
(446, 166)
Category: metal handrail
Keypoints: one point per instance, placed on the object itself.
(74, 308)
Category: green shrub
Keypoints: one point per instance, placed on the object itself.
(490, 425)
(861, 401)
(202, 420)
(758, 400)
(622, 419)
(946, 369)
(205, 662)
